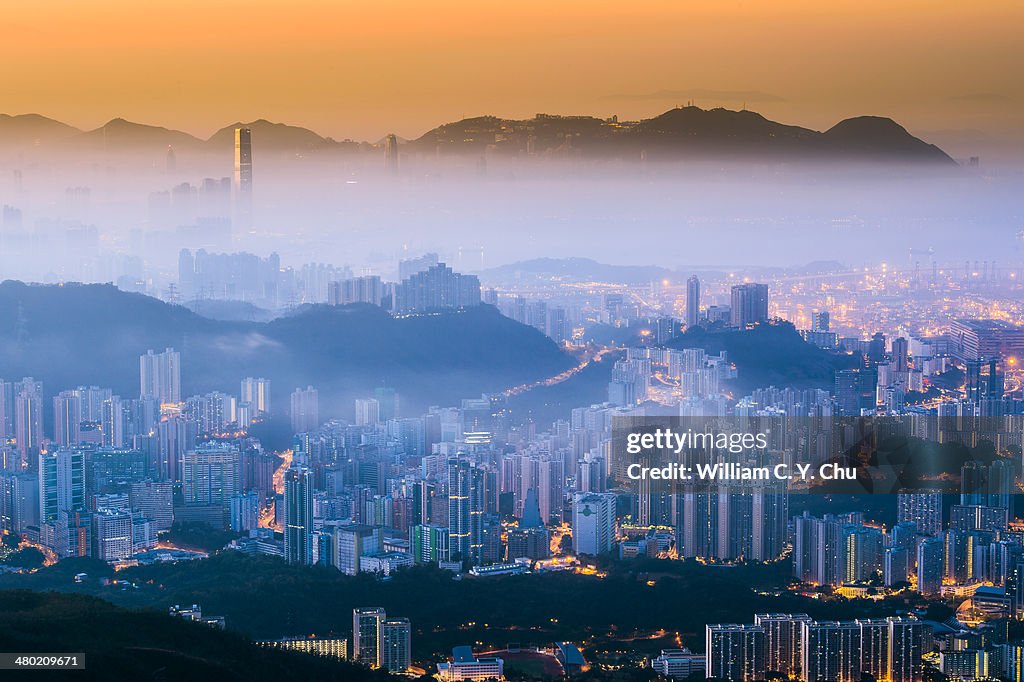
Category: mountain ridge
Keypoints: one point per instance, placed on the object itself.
(345, 351)
(682, 133)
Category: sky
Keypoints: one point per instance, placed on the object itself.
(362, 68)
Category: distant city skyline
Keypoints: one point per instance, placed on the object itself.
(362, 72)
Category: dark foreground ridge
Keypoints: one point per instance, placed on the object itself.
(130, 644)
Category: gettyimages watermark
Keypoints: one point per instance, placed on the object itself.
(818, 455)
(733, 442)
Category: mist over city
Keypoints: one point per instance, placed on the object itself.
(123, 201)
(567, 341)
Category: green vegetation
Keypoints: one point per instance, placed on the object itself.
(770, 355)
(28, 557)
(265, 598)
(199, 536)
(123, 644)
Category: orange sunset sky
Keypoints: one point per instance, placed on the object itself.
(360, 69)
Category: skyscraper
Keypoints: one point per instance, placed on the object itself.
(734, 652)
(831, 651)
(256, 392)
(298, 516)
(394, 652)
(112, 534)
(973, 483)
(465, 511)
(437, 288)
(367, 412)
(1002, 483)
(28, 418)
(155, 500)
(61, 483)
(305, 410)
(818, 549)
(692, 301)
(411, 266)
(906, 645)
(6, 409)
(593, 523)
(874, 648)
(210, 477)
(366, 624)
(856, 390)
(900, 354)
(243, 178)
(782, 641)
(391, 153)
(749, 304)
(67, 418)
(379, 641)
(735, 521)
(388, 403)
(160, 376)
(921, 508)
(930, 565)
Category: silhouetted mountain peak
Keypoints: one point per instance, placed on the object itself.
(879, 136)
(719, 122)
(32, 128)
(684, 133)
(878, 126)
(119, 134)
(268, 135)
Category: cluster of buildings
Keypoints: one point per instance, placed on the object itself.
(794, 646)
(381, 642)
(978, 553)
(377, 641)
(425, 284)
(115, 472)
(469, 488)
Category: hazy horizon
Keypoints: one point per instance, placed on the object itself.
(361, 71)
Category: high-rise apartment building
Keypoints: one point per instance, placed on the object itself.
(28, 418)
(394, 652)
(61, 483)
(593, 523)
(298, 516)
(160, 376)
(749, 304)
(305, 410)
(256, 392)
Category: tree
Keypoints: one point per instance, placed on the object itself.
(29, 557)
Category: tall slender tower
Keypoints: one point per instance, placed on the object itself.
(298, 516)
(391, 153)
(692, 301)
(465, 511)
(28, 419)
(243, 178)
